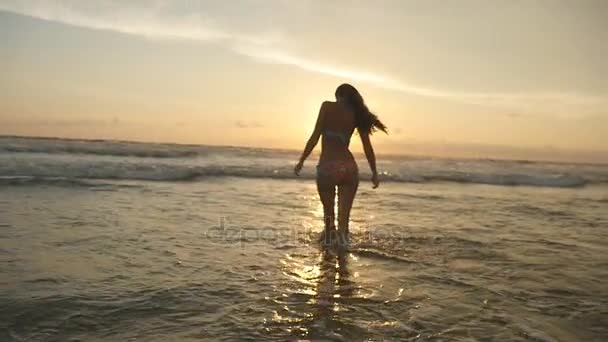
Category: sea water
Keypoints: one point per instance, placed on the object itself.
(118, 241)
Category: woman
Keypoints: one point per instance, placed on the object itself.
(337, 167)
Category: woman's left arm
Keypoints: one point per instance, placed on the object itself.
(312, 141)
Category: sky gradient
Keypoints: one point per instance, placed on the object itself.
(521, 79)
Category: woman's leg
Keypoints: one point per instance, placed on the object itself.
(327, 194)
(346, 196)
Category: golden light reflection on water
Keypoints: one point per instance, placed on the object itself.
(326, 283)
(322, 296)
(320, 283)
(314, 220)
(316, 208)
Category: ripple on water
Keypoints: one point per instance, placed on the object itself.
(320, 298)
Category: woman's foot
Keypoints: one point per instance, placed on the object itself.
(343, 239)
(328, 237)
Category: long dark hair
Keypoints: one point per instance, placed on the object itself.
(366, 121)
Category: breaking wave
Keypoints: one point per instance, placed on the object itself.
(67, 174)
(25, 161)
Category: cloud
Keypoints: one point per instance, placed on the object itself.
(76, 122)
(562, 104)
(247, 124)
(154, 22)
(148, 22)
(397, 131)
(512, 115)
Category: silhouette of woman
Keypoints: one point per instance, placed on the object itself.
(337, 167)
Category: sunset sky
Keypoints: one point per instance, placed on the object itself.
(466, 77)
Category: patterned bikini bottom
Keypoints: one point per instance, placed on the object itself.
(338, 171)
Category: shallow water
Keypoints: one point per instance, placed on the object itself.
(118, 241)
(228, 258)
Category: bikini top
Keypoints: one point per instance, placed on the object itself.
(345, 138)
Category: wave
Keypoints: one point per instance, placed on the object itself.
(60, 181)
(125, 148)
(102, 149)
(559, 181)
(61, 161)
(69, 174)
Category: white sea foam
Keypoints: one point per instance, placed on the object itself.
(36, 160)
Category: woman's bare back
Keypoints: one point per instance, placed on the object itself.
(337, 128)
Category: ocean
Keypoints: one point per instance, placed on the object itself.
(119, 241)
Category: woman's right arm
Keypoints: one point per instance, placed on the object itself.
(313, 140)
(371, 157)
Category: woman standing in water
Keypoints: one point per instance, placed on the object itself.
(337, 167)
